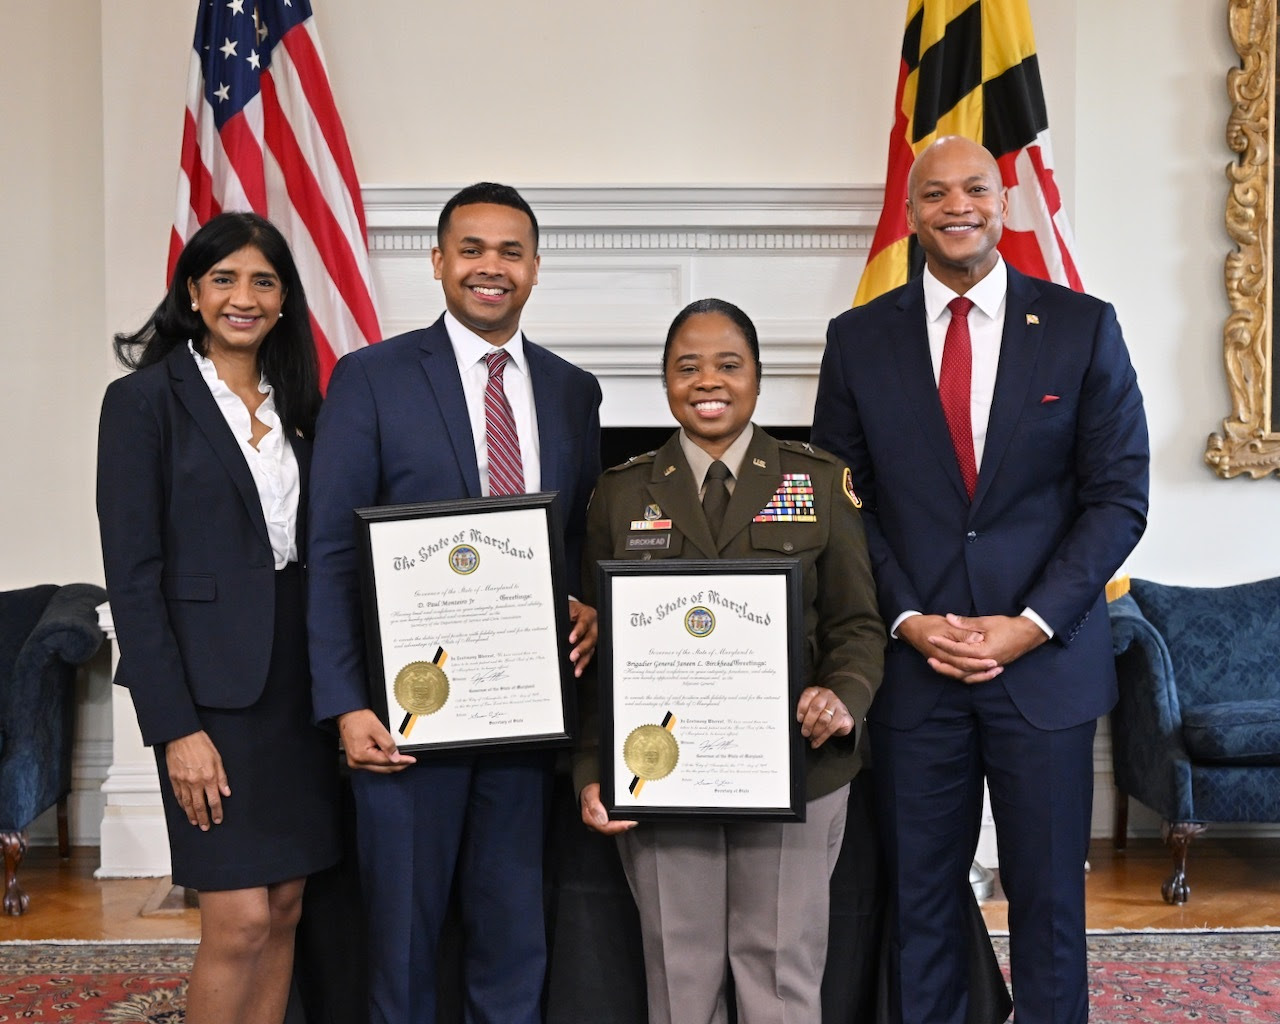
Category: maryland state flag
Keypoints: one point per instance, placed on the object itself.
(969, 68)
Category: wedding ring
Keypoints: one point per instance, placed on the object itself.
(828, 711)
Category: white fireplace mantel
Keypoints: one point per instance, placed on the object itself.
(618, 262)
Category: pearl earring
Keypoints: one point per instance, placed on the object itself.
(280, 315)
(194, 305)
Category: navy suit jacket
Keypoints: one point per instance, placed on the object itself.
(394, 428)
(1061, 494)
(190, 571)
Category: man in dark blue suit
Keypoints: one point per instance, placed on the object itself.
(1004, 480)
(405, 421)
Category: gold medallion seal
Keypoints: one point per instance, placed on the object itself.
(651, 752)
(421, 687)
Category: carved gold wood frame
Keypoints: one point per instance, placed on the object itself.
(1250, 438)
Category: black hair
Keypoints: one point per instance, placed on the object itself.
(287, 357)
(486, 192)
(728, 309)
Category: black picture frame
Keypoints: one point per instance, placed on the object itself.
(468, 516)
(792, 622)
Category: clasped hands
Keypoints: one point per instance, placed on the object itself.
(972, 649)
(370, 745)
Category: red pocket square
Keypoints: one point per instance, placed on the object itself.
(1048, 398)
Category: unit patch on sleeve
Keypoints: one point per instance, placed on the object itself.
(847, 486)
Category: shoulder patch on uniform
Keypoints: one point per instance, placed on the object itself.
(847, 486)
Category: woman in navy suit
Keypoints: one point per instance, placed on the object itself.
(203, 456)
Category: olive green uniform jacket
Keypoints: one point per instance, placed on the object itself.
(844, 635)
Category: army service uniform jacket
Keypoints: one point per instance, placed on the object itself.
(845, 638)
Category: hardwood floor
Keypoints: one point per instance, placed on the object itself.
(67, 902)
(1235, 883)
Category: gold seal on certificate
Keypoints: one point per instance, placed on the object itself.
(421, 687)
(651, 752)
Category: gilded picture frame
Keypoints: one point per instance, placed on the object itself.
(1250, 439)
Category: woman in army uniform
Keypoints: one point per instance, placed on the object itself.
(753, 895)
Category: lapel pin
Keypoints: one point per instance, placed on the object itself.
(1032, 318)
(669, 470)
(1048, 398)
(759, 463)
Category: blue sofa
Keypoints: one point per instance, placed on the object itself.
(45, 632)
(1196, 732)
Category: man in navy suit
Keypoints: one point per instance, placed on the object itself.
(405, 421)
(990, 577)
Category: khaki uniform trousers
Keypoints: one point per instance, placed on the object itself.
(751, 897)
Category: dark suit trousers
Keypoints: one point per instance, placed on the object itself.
(483, 816)
(929, 789)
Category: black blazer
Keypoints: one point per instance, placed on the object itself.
(189, 566)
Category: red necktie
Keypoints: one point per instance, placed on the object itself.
(506, 470)
(953, 389)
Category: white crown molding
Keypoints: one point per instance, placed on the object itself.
(650, 206)
(781, 218)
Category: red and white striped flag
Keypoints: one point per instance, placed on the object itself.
(263, 134)
(969, 68)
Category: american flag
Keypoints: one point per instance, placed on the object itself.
(262, 133)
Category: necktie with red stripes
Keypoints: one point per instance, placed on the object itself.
(506, 470)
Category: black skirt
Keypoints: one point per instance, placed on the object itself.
(281, 820)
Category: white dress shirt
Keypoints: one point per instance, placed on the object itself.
(986, 328)
(469, 349)
(272, 463)
(986, 331)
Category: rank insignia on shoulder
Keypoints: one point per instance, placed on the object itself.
(847, 487)
(652, 511)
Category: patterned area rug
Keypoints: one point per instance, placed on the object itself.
(1147, 977)
(1159, 977)
(107, 983)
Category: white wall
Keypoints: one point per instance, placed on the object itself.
(1150, 195)
(51, 288)
(717, 91)
(674, 91)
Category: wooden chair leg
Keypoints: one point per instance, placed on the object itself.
(64, 832)
(15, 846)
(1120, 821)
(1179, 835)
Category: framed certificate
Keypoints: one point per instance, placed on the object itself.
(466, 622)
(700, 674)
